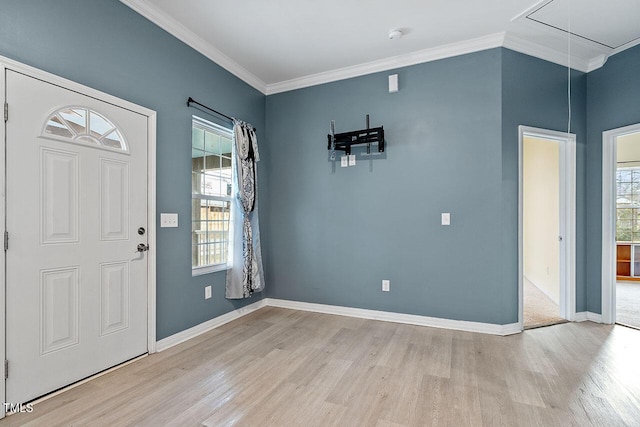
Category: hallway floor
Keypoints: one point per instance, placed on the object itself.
(539, 309)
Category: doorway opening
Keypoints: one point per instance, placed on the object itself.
(546, 227)
(621, 226)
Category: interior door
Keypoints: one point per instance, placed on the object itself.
(76, 202)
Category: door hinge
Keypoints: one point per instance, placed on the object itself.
(6, 111)
(6, 369)
(6, 240)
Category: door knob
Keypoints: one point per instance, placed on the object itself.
(142, 247)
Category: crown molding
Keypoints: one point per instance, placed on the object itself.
(187, 36)
(413, 58)
(502, 39)
(533, 49)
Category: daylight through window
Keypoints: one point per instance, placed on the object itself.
(212, 190)
(628, 204)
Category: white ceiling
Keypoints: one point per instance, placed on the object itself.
(286, 44)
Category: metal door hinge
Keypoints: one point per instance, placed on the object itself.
(6, 240)
(6, 369)
(6, 111)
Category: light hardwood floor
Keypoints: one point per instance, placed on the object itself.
(279, 367)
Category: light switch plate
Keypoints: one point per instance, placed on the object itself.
(446, 218)
(168, 220)
(393, 83)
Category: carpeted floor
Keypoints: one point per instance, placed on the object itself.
(628, 303)
(539, 309)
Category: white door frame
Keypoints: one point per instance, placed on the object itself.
(6, 63)
(567, 219)
(609, 166)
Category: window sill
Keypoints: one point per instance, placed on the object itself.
(199, 271)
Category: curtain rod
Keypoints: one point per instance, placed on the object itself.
(193, 101)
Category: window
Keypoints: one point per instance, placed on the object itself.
(628, 204)
(85, 126)
(212, 201)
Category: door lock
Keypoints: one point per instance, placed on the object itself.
(142, 247)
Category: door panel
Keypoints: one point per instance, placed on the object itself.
(114, 200)
(76, 193)
(59, 214)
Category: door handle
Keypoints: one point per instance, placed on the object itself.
(142, 248)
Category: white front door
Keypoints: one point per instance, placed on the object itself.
(76, 287)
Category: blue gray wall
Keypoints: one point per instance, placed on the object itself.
(330, 235)
(452, 134)
(613, 102)
(105, 45)
(534, 93)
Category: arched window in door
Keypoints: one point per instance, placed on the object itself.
(86, 126)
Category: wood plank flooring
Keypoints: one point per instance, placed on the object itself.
(279, 367)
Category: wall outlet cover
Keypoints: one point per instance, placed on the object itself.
(446, 218)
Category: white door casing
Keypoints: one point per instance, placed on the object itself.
(567, 218)
(76, 290)
(609, 166)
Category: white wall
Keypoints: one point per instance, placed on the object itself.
(541, 214)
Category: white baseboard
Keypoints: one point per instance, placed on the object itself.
(411, 319)
(587, 315)
(193, 332)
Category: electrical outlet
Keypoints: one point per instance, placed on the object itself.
(385, 285)
(207, 292)
(446, 218)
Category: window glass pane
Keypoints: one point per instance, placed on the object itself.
(113, 140)
(76, 119)
(98, 125)
(624, 175)
(213, 163)
(197, 138)
(55, 126)
(212, 143)
(625, 214)
(212, 185)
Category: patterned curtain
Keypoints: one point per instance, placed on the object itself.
(246, 275)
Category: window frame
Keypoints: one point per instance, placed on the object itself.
(225, 132)
(634, 195)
